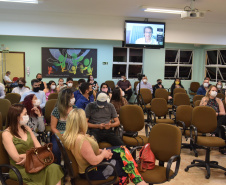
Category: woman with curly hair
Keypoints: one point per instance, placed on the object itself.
(36, 120)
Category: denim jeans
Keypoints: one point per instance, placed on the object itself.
(56, 149)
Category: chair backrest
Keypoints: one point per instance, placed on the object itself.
(111, 84)
(204, 119)
(184, 113)
(179, 90)
(1, 124)
(53, 96)
(75, 84)
(161, 93)
(159, 107)
(197, 103)
(50, 104)
(4, 108)
(221, 96)
(4, 157)
(69, 160)
(181, 99)
(165, 141)
(197, 97)
(194, 86)
(131, 118)
(27, 87)
(135, 85)
(13, 97)
(146, 95)
(15, 79)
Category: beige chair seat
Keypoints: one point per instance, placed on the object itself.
(104, 145)
(210, 141)
(169, 121)
(94, 182)
(156, 175)
(130, 141)
(169, 106)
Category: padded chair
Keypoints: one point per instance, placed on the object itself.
(71, 167)
(111, 84)
(194, 88)
(179, 90)
(145, 102)
(1, 125)
(197, 97)
(13, 97)
(8, 88)
(50, 104)
(221, 96)
(165, 141)
(204, 120)
(163, 93)
(159, 109)
(53, 96)
(4, 107)
(132, 119)
(5, 166)
(75, 84)
(134, 87)
(181, 99)
(197, 103)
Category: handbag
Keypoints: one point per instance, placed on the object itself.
(38, 158)
(146, 158)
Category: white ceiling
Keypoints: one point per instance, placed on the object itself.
(122, 8)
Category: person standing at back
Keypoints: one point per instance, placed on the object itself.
(125, 85)
(42, 84)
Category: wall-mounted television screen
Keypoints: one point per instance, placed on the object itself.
(144, 34)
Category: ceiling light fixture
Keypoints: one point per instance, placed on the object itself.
(21, 1)
(161, 10)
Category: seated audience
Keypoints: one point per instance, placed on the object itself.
(204, 87)
(42, 84)
(104, 87)
(211, 100)
(51, 88)
(78, 94)
(17, 138)
(86, 152)
(8, 81)
(94, 84)
(65, 104)
(60, 84)
(38, 93)
(86, 98)
(99, 115)
(144, 84)
(21, 89)
(176, 84)
(70, 84)
(220, 87)
(158, 86)
(36, 120)
(125, 85)
(117, 99)
(2, 92)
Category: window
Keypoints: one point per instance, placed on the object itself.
(216, 65)
(128, 61)
(178, 63)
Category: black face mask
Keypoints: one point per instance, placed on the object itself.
(159, 83)
(40, 79)
(36, 89)
(20, 85)
(90, 93)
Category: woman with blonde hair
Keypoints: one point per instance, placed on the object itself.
(86, 152)
(211, 100)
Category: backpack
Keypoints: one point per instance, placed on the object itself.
(146, 158)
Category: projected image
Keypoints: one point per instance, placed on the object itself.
(145, 33)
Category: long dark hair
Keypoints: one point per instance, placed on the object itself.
(13, 119)
(49, 85)
(116, 95)
(107, 87)
(88, 80)
(29, 105)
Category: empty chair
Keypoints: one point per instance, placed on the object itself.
(204, 121)
(178, 90)
(197, 97)
(13, 97)
(145, 101)
(181, 99)
(159, 109)
(163, 93)
(53, 96)
(197, 103)
(4, 107)
(221, 96)
(194, 88)
(50, 104)
(165, 142)
(111, 84)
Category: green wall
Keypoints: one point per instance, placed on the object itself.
(153, 58)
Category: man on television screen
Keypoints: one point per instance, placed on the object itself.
(147, 39)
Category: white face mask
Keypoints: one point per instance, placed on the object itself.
(100, 106)
(206, 84)
(25, 120)
(122, 93)
(213, 93)
(61, 83)
(37, 103)
(145, 80)
(53, 87)
(72, 101)
(70, 84)
(219, 86)
(122, 79)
